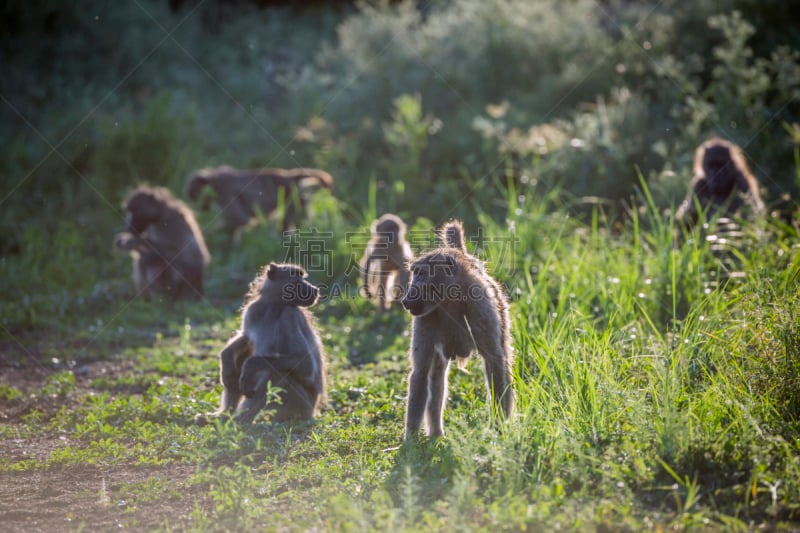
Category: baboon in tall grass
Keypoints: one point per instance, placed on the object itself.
(386, 261)
(722, 183)
(458, 309)
(277, 343)
(168, 250)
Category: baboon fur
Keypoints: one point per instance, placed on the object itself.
(722, 183)
(277, 343)
(458, 309)
(386, 260)
(168, 250)
(240, 192)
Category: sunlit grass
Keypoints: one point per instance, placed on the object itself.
(658, 380)
(649, 393)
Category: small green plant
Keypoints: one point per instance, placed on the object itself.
(9, 393)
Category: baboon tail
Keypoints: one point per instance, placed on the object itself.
(452, 234)
(303, 178)
(320, 176)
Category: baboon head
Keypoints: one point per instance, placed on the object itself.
(433, 278)
(389, 227)
(145, 207)
(720, 162)
(195, 185)
(287, 284)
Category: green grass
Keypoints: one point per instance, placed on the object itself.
(650, 396)
(658, 388)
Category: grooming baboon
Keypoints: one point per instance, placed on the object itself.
(276, 343)
(169, 254)
(458, 308)
(386, 260)
(722, 183)
(240, 192)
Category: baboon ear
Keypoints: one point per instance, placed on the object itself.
(272, 271)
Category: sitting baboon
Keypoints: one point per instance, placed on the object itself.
(277, 343)
(169, 254)
(458, 308)
(722, 183)
(386, 260)
(240, 192)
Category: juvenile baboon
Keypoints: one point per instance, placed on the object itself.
(722, 182)
(240, 192)
(169, 254)
(458, 308)
(386, 260)
(276, 343)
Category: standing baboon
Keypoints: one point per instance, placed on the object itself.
(277, 343)
(169, 254)
(240, 192)
(722, 182)
(458, 308)
(386, 260)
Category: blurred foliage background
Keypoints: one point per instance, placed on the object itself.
(429, 109)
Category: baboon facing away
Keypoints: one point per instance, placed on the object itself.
(277, 343)
(722, 182)
(386, 260)
(458, 308)
(240, 192)
(168, 250)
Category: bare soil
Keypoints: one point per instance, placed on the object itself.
(91, 498)
(86, 497)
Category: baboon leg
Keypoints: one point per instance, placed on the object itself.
(389, 295)
(383, 288)
(150, 274)
(231, 361)
(189, 284)
(295, 376)
(366, 276)
(401, 282)
(437, 383)
(289, 215)
(253, 378)
(236, 237)
(417, 389)
(238, 213)
(236, 216)
(250, 407)
(297, 401)
(295, 209)
(300, 367)
(498, 381)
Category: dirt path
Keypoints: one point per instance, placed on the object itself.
(94, 498)
(86, 497)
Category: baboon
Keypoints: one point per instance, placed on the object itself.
(277, 343)
(722, 182)
(386, 260)
(458, 308)
(240, 192)
(169, 254)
